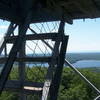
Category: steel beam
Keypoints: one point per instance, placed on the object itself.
(52, 36)
(16, 84)
(27, 59)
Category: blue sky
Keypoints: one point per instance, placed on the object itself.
(84, 36)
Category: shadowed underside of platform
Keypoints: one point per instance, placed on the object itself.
(49, 10)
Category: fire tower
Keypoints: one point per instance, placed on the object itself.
(40, 22)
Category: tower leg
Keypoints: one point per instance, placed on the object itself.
(13, 53)
(57, 76)
(58, 54)
(21, 69)
(50, 71)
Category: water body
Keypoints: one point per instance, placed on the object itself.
(87, 63)
(79, 60)
(78, 64)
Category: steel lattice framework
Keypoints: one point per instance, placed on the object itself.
(46, 42)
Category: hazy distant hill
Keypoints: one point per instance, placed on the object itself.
(74, 57)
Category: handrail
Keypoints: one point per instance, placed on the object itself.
(82, 76)
(97, 98)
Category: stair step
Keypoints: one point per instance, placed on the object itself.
(27, 88)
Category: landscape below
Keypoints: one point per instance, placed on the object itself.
(72, 86)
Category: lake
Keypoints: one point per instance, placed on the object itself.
(78, 64)
(87, 63)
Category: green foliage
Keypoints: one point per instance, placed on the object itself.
(9, 96)
(14, 73)
(36, 74)
(72, 86)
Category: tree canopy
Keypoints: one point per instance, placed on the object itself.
(72, 86)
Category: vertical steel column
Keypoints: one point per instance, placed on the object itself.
(50, 71)
(51, 68)
(14, 51)
(57, 76)
(21, 69)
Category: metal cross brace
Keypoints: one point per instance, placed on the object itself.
(73, 68)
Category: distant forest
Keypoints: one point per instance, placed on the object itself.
(72, 86)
